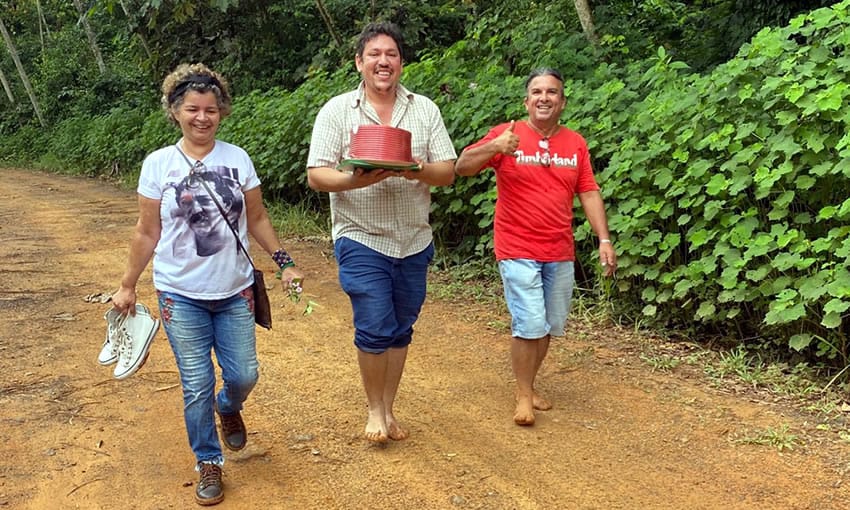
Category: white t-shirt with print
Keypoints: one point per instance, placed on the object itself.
(197, 255)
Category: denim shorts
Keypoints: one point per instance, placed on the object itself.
(538, 295)
(386, 293)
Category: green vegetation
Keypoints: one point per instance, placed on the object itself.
(780, 438)
(720, 141)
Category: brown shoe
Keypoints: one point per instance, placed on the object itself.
(233, 431)
(208, 492)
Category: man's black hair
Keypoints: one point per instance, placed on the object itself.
(375, 29)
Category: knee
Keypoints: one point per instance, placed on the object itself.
(247, 379)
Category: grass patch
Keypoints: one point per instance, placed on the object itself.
(662, 363)
(476, 280)
(750, 368)
(299, 221)
(780, 438)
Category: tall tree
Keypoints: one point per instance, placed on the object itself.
(585, 16)
(6, 87)
(42, 24)
(10, 45)
(84, 20)
(137, 31)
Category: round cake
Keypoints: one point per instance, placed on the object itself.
(374, 142)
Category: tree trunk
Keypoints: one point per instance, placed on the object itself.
(138, 33)
(326, 17)
(6, 87)
(585, 16)
(90, 34)
(42, 25)
(26, 81)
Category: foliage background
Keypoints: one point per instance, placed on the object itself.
(720, 139)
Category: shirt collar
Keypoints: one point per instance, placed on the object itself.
(401, 93)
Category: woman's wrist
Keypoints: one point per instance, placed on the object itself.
(282, 259)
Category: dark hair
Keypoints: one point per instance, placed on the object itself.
(373, 30)
(545, 71)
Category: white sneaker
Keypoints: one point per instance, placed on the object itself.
(109, 352)
(134, 339)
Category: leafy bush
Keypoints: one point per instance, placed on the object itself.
(729, 192)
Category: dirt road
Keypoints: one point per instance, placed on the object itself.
(620, 436)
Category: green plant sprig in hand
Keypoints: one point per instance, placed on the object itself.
(295, 290)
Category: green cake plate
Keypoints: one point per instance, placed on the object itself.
(349, 165)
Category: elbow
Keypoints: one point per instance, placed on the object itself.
(463, 169)
(312, 182)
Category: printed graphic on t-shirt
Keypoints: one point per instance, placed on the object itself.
(542, 157)
(205, 230)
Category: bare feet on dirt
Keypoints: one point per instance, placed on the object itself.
(524, 413)
(621, 434)
(540, 403)
(376, 427)
(394, 429)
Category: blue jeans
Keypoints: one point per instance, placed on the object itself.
(538, 295)
(386, 293)
(194, 328)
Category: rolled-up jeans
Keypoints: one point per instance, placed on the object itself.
(386, 293)
(195, 328)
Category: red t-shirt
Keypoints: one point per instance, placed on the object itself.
(535, 190)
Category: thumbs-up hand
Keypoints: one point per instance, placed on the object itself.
(508, 141)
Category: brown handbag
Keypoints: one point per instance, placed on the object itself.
(262, 305)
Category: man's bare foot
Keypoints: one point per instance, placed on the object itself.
(524, 414)
(541, 403)
(395, 431)
(376, 429)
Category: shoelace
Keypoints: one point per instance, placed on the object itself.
(230, 424)
(125, 346)
(113, 343)
(210, 475)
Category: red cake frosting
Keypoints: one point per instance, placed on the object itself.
(381, 143)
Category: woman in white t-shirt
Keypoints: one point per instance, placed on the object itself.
(195, 198)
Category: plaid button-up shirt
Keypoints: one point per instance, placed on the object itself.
(391, 216)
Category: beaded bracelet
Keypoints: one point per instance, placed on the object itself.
(282, 259)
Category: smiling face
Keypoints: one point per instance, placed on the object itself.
(198, 116)
(380, 64)
(545, 101)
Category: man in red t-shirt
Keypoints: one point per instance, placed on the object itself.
(540, 167)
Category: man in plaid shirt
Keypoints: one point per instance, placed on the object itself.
(382, 237)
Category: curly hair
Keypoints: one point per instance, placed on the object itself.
(194, 77)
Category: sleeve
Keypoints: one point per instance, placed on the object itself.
(328, 138)
(586, 180)
(440, 146)
(252, 180)
(493, 133)
(149, 180)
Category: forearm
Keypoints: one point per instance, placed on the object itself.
(594, 209)
(471, 161)
(142, 247)
(262, 230)
(328, 179)
(438, 173)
